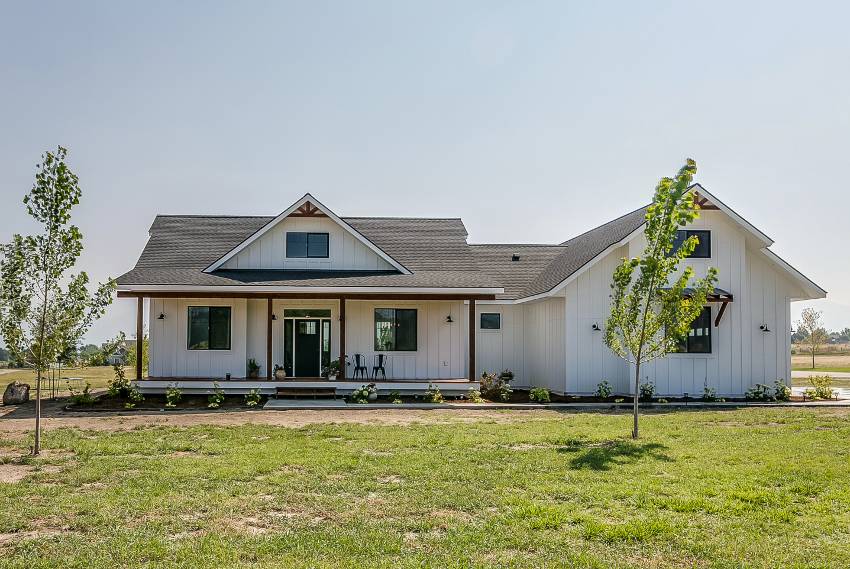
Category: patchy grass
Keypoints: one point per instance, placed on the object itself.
(754, 488)
(98, 377)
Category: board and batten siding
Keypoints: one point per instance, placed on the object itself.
(441, 346)
(345, 252)
(169, 354)
(498, 350)
(543, 343)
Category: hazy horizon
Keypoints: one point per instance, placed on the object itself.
(533, 122)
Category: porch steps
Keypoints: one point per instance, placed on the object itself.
(286, 392)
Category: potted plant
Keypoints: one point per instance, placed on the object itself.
(279, 372)
(331, 371)
(253, 369)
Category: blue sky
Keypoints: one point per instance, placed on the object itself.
(563, 113)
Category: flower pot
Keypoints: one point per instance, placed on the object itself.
(253, 374)
(373, 396)
(333, 376)
(280, 375)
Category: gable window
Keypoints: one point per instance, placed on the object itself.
(698, 340)
(703, 248)
(209, 328)
(491, 321)
(395, 329)
(300, 245)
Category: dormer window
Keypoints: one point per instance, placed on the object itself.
(301, 245)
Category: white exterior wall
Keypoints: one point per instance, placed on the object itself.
(588, 302)
(742, 354)
(543, 344)
(169, 355)
(345, 252)
(441, 346)
(497, 350)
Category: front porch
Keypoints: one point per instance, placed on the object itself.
(419, 338)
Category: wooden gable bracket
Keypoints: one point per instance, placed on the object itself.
(307, 210)
(720, 313)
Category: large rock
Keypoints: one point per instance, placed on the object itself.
(16, 393)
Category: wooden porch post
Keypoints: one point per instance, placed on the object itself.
(472, 371)
(269, 340)
(140, 335)
(342, 337)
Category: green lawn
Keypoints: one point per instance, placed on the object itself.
(750, 488)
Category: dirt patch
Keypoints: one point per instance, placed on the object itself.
(13, 473)
(17, 421)
(390, 479)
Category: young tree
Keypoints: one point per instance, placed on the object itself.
(811, 326)
(43, 309)
(650, 314)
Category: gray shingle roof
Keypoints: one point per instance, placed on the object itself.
(434, 250)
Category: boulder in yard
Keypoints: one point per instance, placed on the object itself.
(16, 393)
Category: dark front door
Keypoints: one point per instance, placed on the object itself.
(307, 342)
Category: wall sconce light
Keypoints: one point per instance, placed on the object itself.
(161, 316)
(595, 327)
(764, 328)
(449, 319)
(274, 316)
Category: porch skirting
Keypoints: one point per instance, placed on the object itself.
(451, 387)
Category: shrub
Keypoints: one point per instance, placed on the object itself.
(215, 399)
(647, 391)
(474, 395)
(173, 394)
(361, 394)
(709, 393)
(821, 387)
(433, 395)
(758, 392)
(781, 392)
(253, 398)
(83, 397)
(604, 389)
(539, 394)
(496, 387)
(662, 400)
(394, 394)
(119, 386)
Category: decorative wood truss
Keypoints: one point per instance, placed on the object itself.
(719, 296)
(703, 203)
(307, 210)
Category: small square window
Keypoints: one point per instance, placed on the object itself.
(491, 321)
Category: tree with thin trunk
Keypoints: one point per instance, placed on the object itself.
(43, 309)
(811, 326)
(652, 304)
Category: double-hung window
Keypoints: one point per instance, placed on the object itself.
(301, 245)
(209, 328)
(395, 329)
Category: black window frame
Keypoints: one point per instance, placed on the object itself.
(701, 321)
(498, 316)
(395, 325)
(307, 254)
(683, 235)
(195, 346)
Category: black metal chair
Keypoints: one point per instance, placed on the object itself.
(360, 366)
(379, 363)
